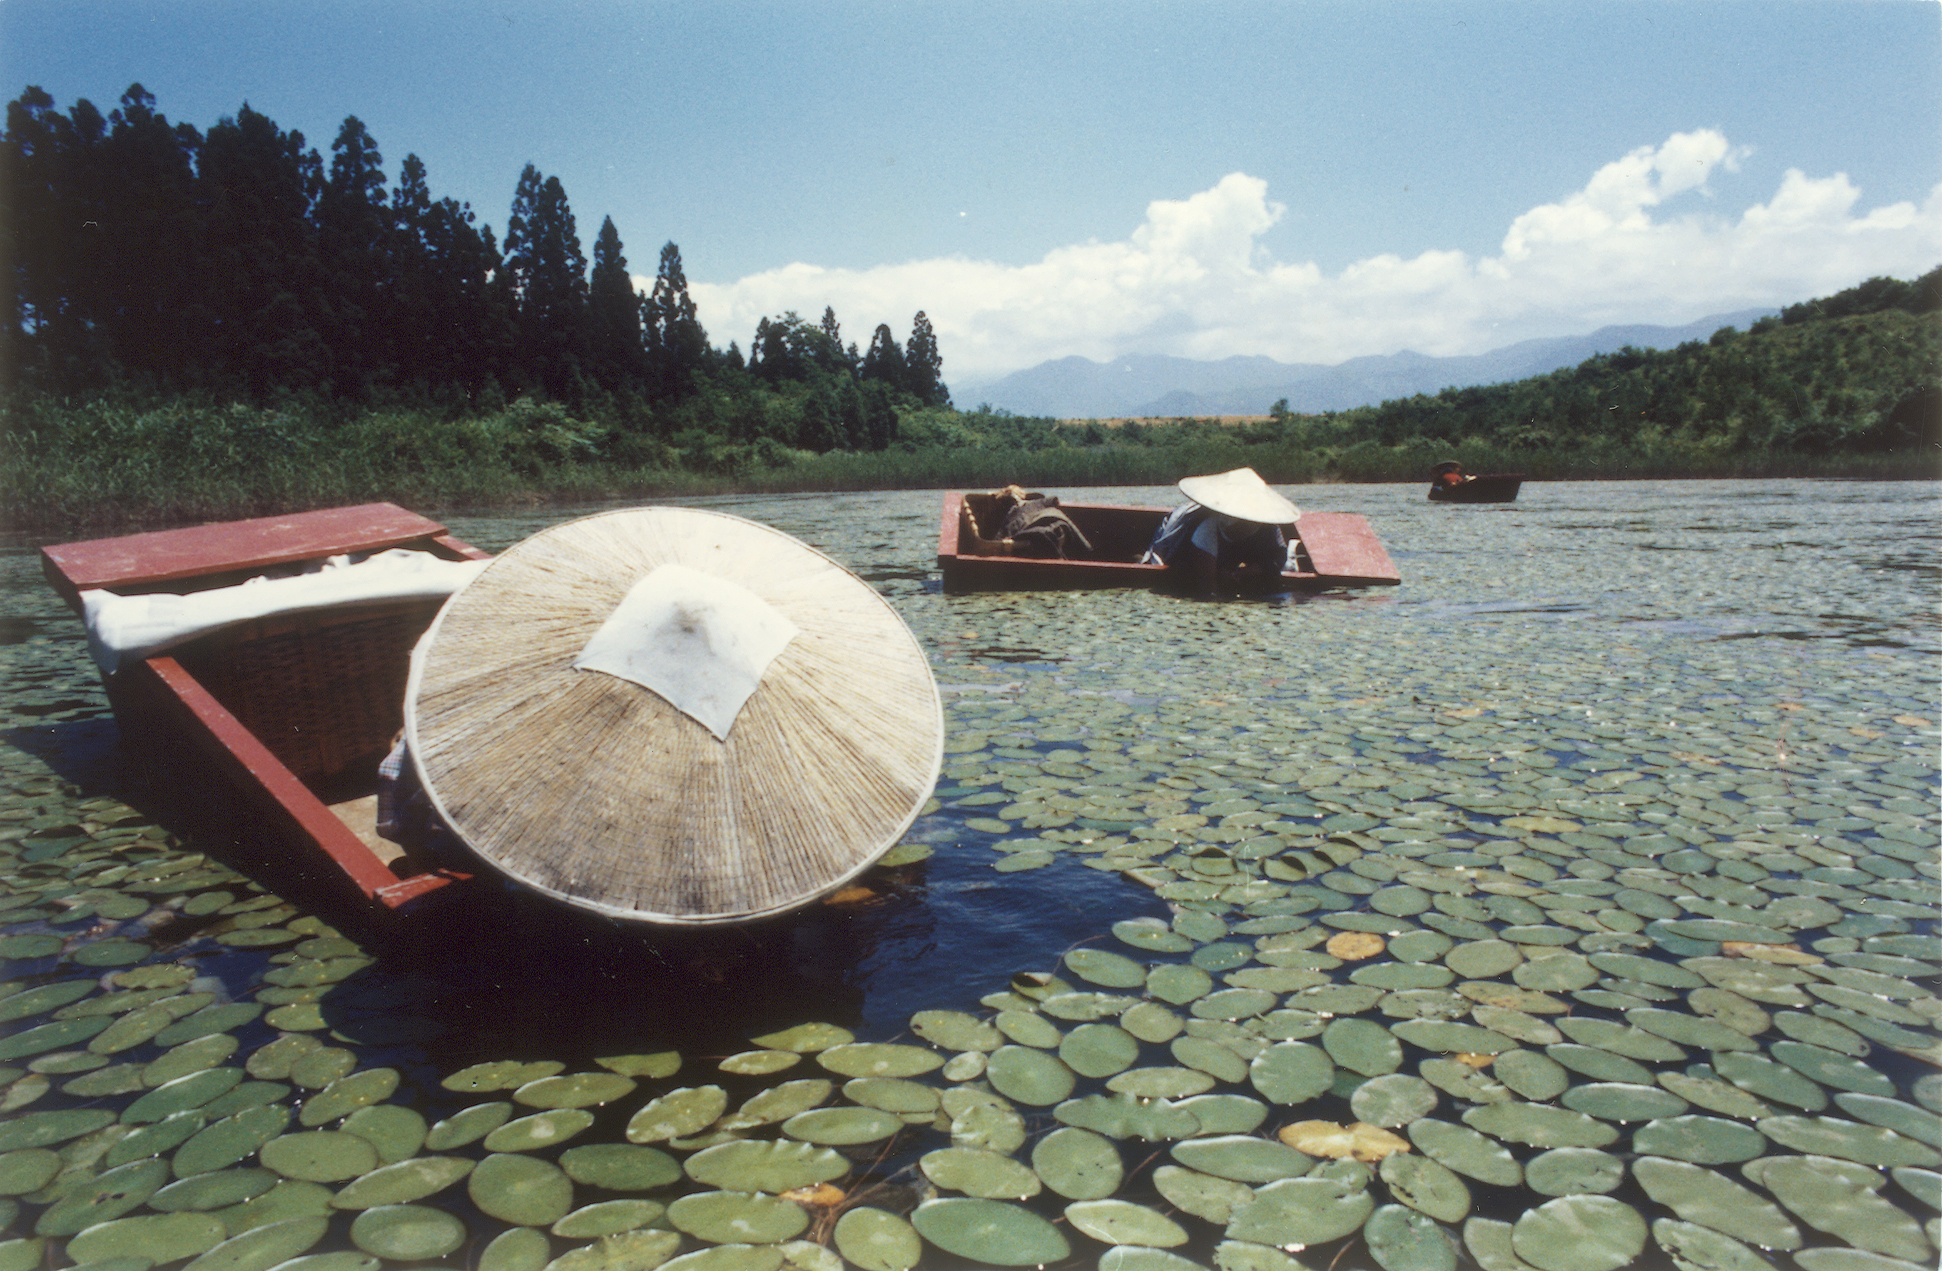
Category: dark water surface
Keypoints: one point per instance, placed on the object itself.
(1635, 781)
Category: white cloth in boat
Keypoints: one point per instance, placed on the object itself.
(700, 641)
(122, 627)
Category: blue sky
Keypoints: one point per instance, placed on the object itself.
(1309, 181)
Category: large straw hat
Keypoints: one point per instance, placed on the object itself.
(1241, 494)
(637, 780)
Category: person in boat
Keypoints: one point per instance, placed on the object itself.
(1025, 524)
(1448, 475)
(1228, 533)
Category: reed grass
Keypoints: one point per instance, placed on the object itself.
(75, 468)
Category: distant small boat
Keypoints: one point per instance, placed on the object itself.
(1327, 549)
(1451, 484)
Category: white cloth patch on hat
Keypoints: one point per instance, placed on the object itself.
(696, 639)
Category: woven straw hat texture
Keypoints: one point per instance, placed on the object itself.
(1241, 494)
(598, 792)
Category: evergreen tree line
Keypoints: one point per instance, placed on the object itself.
(142, 256)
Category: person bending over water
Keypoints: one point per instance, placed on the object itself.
(1228, 534)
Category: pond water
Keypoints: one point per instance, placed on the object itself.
(1570, 906)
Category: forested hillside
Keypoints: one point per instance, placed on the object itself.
(146, 260)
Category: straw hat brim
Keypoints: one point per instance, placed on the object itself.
(598, 792)
(1241, 494)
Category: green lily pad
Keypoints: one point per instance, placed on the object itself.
(843, 1126)
(347, 1094)
(1579, 1233)
(1362, 1046)
(680, 1113)
(1106, 968)
(217, 1189)
(1710, 1199)
(156, 1237)
(230, 1140)
(1840, 1198)
(761, 1165)
(60, 1035)
(320, 1156)
(1099, 1050)
(45, 1129)
(1714, 1095)
(1393, 1100)
(27, 1169)
(1402, 1239)
(804, 1039)
(518, 1189)
(1425, 1185)
(654, 1065)
(1700, 1139)
(1179, 983)
(1078, 1164)
(758, 1063)
(877, 1240)
(407, 1233)
(1466, 1151)
(402, 1181)
(780, 1102)
(1599, 1065)
(1292, 1072)
(397, 1132)
(1450, 1037)
(1539, 1125)
(1831, 1068)
(1029, 1076)
(1225, 1113)
(1160, 1082)
(1690, 1030)
(1622, 1102)
(261, 1248)
(1202, 1195)
(607, 1218)
(620, 1167)
(990, 1232)
(1534, 1076)
(1126, 1117)
(121, 1190)
(1761, 1076)
(1574, 1171)
(879, 1059)
(1848, 1140)
(1242, 1158)
(580, 1090)
(1122, 1222)
(500, 1074)
(43, 999)
(956, 1030)
(1698, 1248)
(540, 1131)
(737, 1217)
(468, 1125)
(528, 1249)
(1301, 1211)
(182, 1094)
(1893, 1114)
(979, 1172)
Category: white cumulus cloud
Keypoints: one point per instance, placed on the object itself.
(1642, 241)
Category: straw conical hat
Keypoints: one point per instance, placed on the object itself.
(1241, 494)
(601, 792)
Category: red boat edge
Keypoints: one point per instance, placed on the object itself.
(1333, 549)
(303, 806)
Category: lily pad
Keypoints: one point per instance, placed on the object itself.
(156, 1237)
(1292, 1072)
(320, 1156)
(1396, 1099)
(1426, 1186)
(518, 1189)
(1301, 1211)
(1078, 1164)
(980, 1172)
(994, 1233)
(1029, 1076)
(1122, 1222)
(1622, 1101)
(580, 1090)
(1242, 1158)
(1695, 1248)
(1709, 1198)
(877, 1240)
(620, 1167)
(1539, 1125)
(407, 1233)
(879, 1059)
(752, 1165)
(1840, 1198)
(1403, 1239)
(540, 1131)
(402, 1181)
(680, 1113)
(1467, 1152)
(1579, 1233)
(1701, 1140)
(261, 1248)
(1574, 1171)
(468, 1125)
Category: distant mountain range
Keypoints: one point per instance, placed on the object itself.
(1147, 384)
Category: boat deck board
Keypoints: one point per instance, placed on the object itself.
(209, 555)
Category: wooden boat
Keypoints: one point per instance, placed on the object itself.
(1449, 483)
(290, 713)
(1330, 549)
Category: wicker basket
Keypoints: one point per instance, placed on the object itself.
(323, 690)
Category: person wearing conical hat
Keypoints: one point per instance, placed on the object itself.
(1228, 533)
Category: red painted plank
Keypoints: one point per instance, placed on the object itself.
(1343, 546)
(137, 562)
